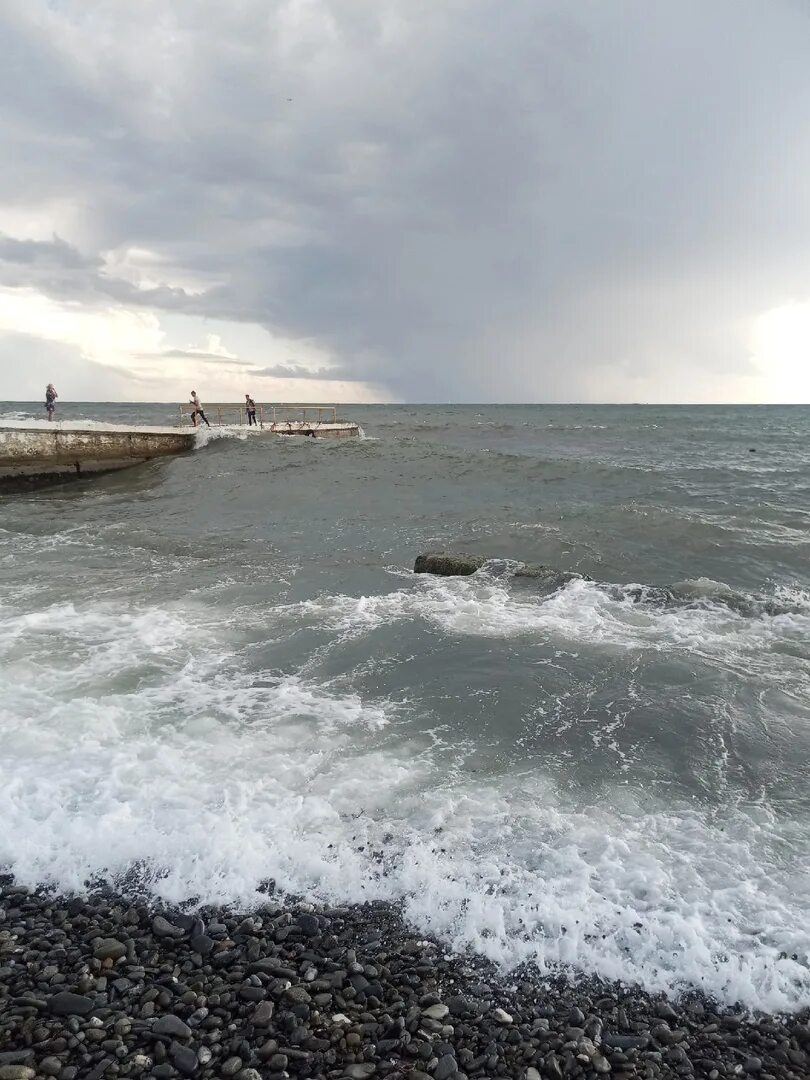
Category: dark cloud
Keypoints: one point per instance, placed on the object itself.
(50, 253)
(456, 201)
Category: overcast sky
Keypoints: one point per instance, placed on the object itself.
(463, 200)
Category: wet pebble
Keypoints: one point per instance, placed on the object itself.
(102, 987)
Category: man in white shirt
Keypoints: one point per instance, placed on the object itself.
(197, 410)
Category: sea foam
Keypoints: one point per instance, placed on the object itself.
(144, 738)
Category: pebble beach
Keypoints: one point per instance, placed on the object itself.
(103, 986)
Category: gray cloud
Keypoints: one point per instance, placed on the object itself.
(204, 356)
(460, 201)
(295, 371)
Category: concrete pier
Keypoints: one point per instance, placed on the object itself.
(40, 453)
(29, 456)
(318, 421)
(340, 429)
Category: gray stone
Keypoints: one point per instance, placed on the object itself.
(263, 1014)
(309, 924)
(202, 944)
(297, 995)
(16, 1057)
(532, 1074)
(110, 949)
(502, 1017)
(676, 1055)
(67, 1004)
(163, 928)
(16, 1072)
(436, 1012)
(232, 1066)
(249, 1074)
(184, 1058)
(625, 1042)
(600, 1063)
(666, 1036)
(173, 1026)
(361, 1071)
(278, 1062)
(752, 1065)
(551, 1067)
(446, 1067)
(50, 1066)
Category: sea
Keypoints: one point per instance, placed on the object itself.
(220, 676)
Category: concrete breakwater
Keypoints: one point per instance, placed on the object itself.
(29, 456)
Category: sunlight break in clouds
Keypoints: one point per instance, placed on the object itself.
(781, 353)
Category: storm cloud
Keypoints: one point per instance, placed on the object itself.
(462, 201)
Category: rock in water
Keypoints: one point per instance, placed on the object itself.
(448, 564)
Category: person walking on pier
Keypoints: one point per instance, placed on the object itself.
(250, 407)
(197, 410)
(50, 400)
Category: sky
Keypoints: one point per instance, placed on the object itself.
(404, 200)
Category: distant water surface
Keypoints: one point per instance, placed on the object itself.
(219, 668)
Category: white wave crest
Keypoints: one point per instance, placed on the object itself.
(140, 737)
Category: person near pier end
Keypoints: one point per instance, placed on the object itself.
(197, 411)
(250, 408)
(50, 400)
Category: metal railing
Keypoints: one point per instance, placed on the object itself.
(228, 414)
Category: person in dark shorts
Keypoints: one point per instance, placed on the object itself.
(50, 400)
(250, 408)
(197, 411)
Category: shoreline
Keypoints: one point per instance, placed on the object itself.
(108, 986)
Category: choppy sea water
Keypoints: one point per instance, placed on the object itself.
(219, 669)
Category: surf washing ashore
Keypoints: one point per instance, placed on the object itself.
(579, 802)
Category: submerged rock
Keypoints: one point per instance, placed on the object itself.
(448, 564)
(461, 564)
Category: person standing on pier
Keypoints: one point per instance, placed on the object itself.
(250, 408)
(197, 410)
(50, 400)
